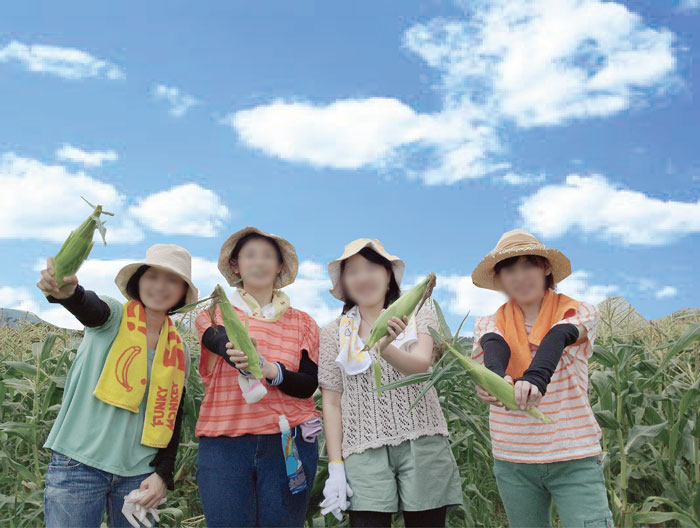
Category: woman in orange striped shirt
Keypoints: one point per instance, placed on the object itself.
(257, 442)
(541, 342)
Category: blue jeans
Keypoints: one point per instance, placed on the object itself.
(78, 495)
(243, 480)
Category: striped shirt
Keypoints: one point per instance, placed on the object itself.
(517, 437)
(224, 412)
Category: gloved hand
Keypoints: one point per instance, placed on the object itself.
(336, 491)
(135, 513)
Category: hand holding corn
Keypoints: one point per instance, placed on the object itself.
(395, 326)
(240, 360)
(527, 395)
(49, 284)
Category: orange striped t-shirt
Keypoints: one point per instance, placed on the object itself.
(516, 437)
(224, 412)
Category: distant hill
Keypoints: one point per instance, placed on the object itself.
(619, 318)
(13, 318)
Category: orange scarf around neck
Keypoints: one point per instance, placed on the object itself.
(511, 323)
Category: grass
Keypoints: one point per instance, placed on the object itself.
(644, 391)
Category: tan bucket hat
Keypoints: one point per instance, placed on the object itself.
(168, 257)
(290, 262)
(353, 248)
(516, 243)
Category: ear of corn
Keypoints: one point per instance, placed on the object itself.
(78, 245)
(405, 305)
(495, 385)
(409, 302)
(237, 333)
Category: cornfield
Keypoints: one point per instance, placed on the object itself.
(644, 392)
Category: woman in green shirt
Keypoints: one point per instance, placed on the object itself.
(118, 428)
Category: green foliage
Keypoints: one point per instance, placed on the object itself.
(644, 395)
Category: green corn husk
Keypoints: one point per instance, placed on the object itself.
(237, 332)
(494, 384)
(409, 302)
(77, 247)
(405, 305)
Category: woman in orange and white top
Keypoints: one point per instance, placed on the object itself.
(541, 342)
(257, 441)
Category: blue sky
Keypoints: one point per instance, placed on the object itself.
(432, 126)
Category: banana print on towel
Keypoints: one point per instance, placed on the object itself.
(124, 375)
(351, 358)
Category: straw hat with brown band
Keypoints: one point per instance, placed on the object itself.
(290, 262)
(168, 257)
(353, 248)
(513, 244)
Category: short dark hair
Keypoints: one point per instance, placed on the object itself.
(391, 295)
(132, 288)
(255, 236)
(536, 260)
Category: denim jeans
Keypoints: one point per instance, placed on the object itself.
(243, 480)
(78, 495)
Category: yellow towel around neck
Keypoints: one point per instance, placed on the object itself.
(124, 375)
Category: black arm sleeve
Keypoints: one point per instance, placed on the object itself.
(164, 461)
(496, 353)
(86, 306)
(548, 355)
(303, 383)
(215, 340)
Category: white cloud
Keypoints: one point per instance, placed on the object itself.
(179, 102)
(69, 63)
(41, 201)
(375, 132)
(531, 62)
(512, 178)
(689, 4)
(309, 293)
(187, 209)
(94, 158)
(578, 286)
(543, 62)
(593, 205)
(666, 292)
(463, 297)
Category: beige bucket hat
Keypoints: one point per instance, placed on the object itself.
(290, 262)
(353, 248)
(513, 244)
(168, 257)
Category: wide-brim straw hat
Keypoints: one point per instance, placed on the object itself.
(290, 262)
(168, 257)
(513, 244)
(353, 248)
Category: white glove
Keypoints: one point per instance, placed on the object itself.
(336, 491)
(135, 513)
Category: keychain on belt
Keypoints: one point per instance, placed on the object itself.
(295, 470)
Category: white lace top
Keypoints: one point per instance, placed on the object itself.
(370, 421)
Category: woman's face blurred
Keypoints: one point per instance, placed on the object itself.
(365, 282)
(258, 263)
(161, 290)
(524, 281)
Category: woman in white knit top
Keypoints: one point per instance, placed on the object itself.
(383, 459)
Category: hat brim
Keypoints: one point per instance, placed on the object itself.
(397, 265)
(290, 261)
(125, 274)
(484, 275)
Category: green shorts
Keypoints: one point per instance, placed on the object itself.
(415, 475)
